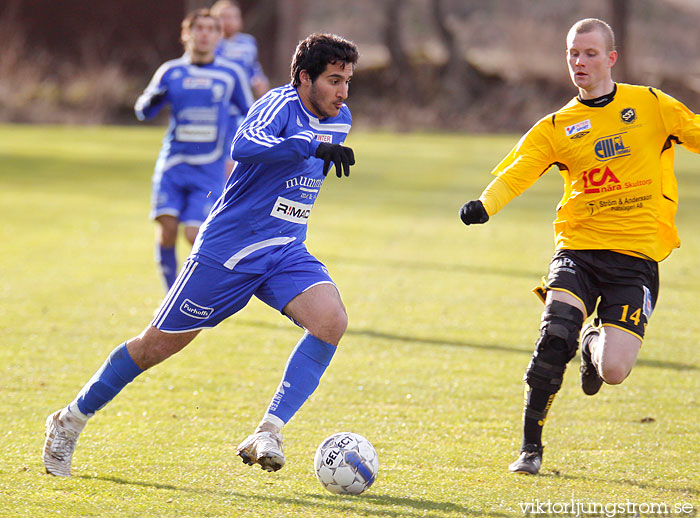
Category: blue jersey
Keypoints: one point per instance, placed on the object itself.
(241, 48)
(276, 179)
(202, 100)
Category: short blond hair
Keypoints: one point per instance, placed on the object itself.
(192, 16)
(593, 24)
(220, 5)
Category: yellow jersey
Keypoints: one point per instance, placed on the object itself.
(615, 154)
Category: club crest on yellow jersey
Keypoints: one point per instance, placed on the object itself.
(628, 115)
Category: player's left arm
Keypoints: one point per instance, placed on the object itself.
(679, 121)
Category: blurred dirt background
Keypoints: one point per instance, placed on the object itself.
(462, 65)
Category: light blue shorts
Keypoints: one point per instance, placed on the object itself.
(187, 192)
(206, 294)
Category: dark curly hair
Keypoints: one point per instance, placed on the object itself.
(317, 51)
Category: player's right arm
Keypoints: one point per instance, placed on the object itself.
(259, 137)
(519, 170)
(153, 98)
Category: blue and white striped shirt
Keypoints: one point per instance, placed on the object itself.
(241, 48)
(274, 184)
(202, 100)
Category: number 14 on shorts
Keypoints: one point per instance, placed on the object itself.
(636, 314)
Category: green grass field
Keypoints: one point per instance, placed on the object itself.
(442, 324)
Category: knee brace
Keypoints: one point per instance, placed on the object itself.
(561, 324)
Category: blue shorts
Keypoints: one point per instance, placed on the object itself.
(206, 294)
(187, 192)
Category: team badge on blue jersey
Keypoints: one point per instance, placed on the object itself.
(217, 92)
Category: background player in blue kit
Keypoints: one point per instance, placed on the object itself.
(202, 91)
(238, 46)
(252, 243)
(241, 48)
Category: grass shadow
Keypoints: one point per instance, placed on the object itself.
(423, 266)
(469, 269)
(369, 333)
(334, 503)
(555, 474)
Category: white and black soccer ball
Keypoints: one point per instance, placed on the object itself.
(346, 463)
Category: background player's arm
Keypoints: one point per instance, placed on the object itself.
(242, 96)
(258, 140)
(241, 100)
(153, 98)
(258, 80)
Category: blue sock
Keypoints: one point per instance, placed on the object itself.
(116, 372)
(304, 369)
(165, 257)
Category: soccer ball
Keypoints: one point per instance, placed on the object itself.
(346, 463)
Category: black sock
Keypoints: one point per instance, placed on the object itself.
(537, 403)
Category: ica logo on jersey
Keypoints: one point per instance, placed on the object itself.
(609, 147)
(597, 180)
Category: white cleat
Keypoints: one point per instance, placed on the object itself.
(61, 437)
(264, 448)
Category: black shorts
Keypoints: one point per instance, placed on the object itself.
(624, 287)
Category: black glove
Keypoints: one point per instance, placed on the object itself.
(155, 99)
(473, 212)
(338, 155)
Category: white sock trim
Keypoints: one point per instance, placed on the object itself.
(273, 420)
(76, 413)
